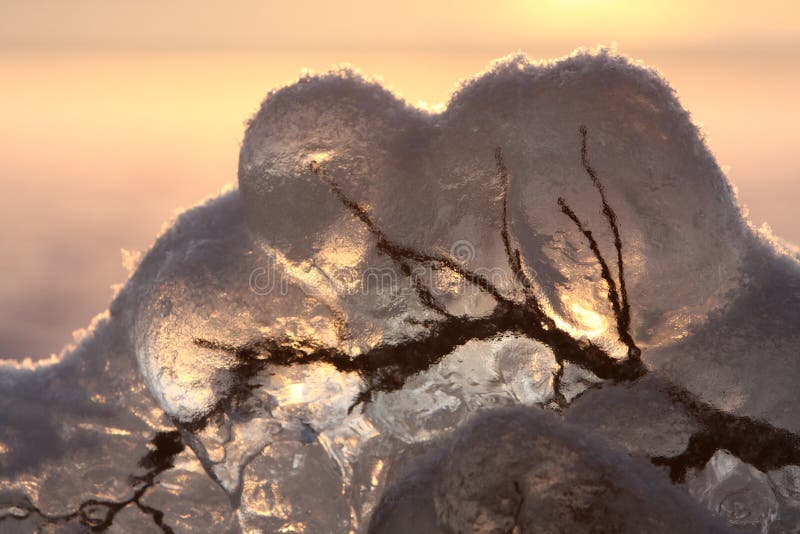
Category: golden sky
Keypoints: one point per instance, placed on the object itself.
(114, 114)
(452, 26)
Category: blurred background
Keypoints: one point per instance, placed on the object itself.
(113, 115)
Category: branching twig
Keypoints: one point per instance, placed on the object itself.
(386, 367)
(399, 252)
(166, 445)
(613, 295)
(757, 443)
(514, 260)
(624, 315)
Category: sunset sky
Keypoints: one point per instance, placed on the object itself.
(115, 114)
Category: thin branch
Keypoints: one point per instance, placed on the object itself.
(514, 260)
(513, 255)
(386, 368)
(558, 395)
(426, 297)
(613, 295)
(755, 442)
(399, 252)
(166, 445)
(624, 315)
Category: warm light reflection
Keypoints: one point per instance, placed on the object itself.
(376, 473)
(590, 319)
(583, 323)
(294, 394)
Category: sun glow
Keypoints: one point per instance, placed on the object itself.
(593, 321)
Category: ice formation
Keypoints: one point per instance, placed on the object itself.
(310, 352)
(521, 470)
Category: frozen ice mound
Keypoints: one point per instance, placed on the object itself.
(522, 470)
(559, 238)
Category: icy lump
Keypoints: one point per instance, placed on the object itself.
(549, 231)
(383, 275)
(517, 470)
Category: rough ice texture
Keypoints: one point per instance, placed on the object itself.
(559, 238)
(518, 470)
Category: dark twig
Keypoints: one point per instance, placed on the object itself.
(512, 254)
(514, 260)
(613, 295)
(426, 297)
(757, 443)
(166, 445)
(386, 367)
(558, 382)
(399, 252)
(624, 315)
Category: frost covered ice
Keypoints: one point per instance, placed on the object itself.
(520, 470)
(309, 352)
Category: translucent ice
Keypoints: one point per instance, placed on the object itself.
(558, 238)
(739, 492)
(515, 470)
